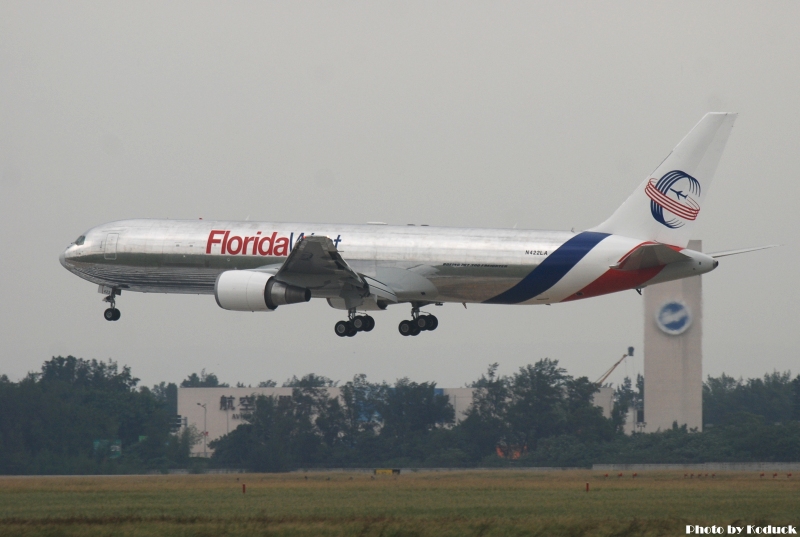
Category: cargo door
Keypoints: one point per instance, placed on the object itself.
(111, 246)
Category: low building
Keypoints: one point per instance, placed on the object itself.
(218, 411)
(604, 398)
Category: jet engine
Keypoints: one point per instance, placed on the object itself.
(247, 290)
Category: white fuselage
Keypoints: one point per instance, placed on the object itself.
(506, 266)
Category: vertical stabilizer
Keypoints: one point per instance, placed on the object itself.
(666, 205)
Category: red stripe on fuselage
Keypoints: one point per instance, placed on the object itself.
(614, 280)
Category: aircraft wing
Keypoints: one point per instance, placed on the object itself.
(315, 263)
(650, 255)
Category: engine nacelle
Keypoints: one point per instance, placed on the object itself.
(247, 290)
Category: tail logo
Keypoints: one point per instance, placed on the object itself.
(671, 201)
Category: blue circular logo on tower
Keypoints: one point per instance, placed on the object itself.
(674, 318)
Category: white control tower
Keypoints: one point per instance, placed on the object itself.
(673, 353)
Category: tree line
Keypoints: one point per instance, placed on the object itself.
(68, 417)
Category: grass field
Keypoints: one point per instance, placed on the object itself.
(336, 504)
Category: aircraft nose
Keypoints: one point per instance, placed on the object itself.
(62, 258)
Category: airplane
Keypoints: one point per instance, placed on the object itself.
(259, 266)
(680, 194)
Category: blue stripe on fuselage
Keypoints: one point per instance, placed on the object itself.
(551, 270)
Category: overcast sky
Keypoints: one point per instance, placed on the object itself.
(540, 115)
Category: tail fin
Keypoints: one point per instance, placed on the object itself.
(666, 205)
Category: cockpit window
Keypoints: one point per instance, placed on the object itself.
(80, 240)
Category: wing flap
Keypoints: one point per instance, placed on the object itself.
(316, 264)
(381, 290)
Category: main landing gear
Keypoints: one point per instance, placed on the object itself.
(112, 313)
(418, 323)
(356, 324)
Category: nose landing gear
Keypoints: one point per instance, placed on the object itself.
(418, 323)
(112, 313)
(355, 324)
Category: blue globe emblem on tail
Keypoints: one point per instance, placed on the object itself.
(674, 318)
(672, 198)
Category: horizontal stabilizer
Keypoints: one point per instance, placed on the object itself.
(650, 255)
(741, 251)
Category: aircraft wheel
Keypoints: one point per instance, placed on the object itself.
(353, 330)
(431, 322)
(370, 323)
(342, 328)
(359, 323)
(109, 315)
(421, 322)
(405, 328)
(415, 329)
(117, 315)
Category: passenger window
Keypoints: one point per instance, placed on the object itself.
(80, 240)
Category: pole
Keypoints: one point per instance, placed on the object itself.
(205, 428)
